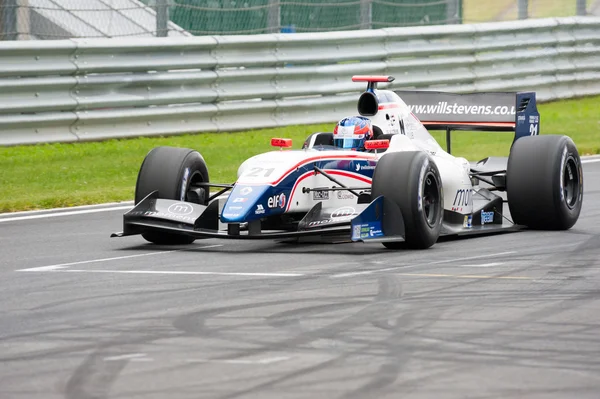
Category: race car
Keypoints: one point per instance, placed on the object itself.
(397, 186)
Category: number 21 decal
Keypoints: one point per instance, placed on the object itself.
(260, 172)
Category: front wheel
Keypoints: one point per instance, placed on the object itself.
(412, 180)
(175, 173)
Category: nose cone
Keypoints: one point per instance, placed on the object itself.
(244, 204)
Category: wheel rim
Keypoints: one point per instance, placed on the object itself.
(570, 183)
(431, 199)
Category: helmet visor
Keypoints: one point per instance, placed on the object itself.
(348, 143)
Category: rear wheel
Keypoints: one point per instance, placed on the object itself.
(544, 182)
(175, 173)
(412, 180)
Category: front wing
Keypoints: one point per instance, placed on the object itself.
(378, 221)
(155, 214)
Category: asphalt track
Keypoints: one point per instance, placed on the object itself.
(507, 316)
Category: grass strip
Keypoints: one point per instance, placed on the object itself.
(62, 175)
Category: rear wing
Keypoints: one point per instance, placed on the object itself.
(499, 111)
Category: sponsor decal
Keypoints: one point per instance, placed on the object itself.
(347, 131)
(367, 230)
(186, 175)
(166, 215)
(468, 222)
(235, 208)
(180, 208)
(343, 212)
(240, 199)
(259, 210)
(534, 121)
(487, 217)
(345, 195)
(461, 199)
(276, 201)
(443, 107)
(231, 215)
(420, 188)
(316, 223)
(246, 190)
(563, 160)
(373, 232)
(320, 195)
(360, 167)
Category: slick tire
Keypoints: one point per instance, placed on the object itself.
(412, 180)
(174, 172)
(544, 182)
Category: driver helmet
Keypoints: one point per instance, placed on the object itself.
(352, 132)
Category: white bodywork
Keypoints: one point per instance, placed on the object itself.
(394, 117)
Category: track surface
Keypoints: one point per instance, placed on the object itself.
(505, 316)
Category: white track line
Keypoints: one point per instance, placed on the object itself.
(70, 208)
(590, 160)
(65, 213)
(64, 267)
(175, 272)
(389, 269)
(83, 262)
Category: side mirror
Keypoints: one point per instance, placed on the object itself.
(282, 143)
(376, 144)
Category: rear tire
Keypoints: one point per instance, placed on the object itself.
(173, 172)
(544, 182)
(412, 180)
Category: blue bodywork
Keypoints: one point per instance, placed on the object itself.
(249, 202)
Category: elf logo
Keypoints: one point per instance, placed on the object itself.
(276, 201)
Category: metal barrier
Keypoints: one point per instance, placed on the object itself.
(93, 89)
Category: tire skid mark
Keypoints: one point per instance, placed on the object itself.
(95, 376)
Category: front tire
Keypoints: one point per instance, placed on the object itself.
(412, 180)
(175, 173)
(544, 182)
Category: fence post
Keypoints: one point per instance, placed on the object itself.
(581, 7)
(162, 18)
(9, 19)
(452, 16)
(522, 6)
(366, 14)
(274, 16)
(23, 20)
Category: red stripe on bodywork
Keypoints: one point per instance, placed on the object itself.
(308, 160)
(387, 106)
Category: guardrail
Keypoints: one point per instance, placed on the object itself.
(93, 89)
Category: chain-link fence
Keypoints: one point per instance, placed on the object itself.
(56, 19)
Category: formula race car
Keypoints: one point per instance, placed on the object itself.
(378, 177)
